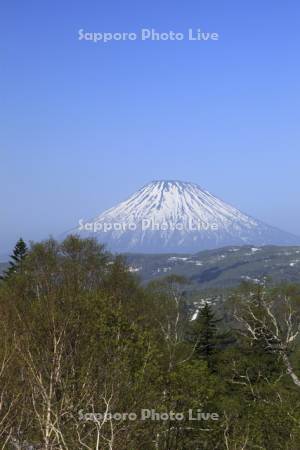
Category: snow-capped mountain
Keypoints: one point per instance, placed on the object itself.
(176, 216)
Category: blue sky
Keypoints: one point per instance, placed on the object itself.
(84, 125)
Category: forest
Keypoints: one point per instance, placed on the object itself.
(85, 347)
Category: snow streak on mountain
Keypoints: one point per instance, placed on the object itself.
(175, 216)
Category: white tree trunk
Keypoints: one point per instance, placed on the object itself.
(290, 370)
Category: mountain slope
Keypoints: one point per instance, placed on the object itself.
(3, 267)
(175, 216)
(221, 268)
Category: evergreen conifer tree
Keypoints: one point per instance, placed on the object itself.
(206, 337)
(19, 253)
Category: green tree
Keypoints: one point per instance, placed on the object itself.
(19, 253)
(205, 335)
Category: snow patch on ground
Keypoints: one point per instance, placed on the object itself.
(134, 269)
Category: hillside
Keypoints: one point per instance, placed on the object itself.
(222, 268)
(3, 266)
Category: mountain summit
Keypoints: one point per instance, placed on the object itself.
(174, 216)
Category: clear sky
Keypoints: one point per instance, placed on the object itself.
(84, 124)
